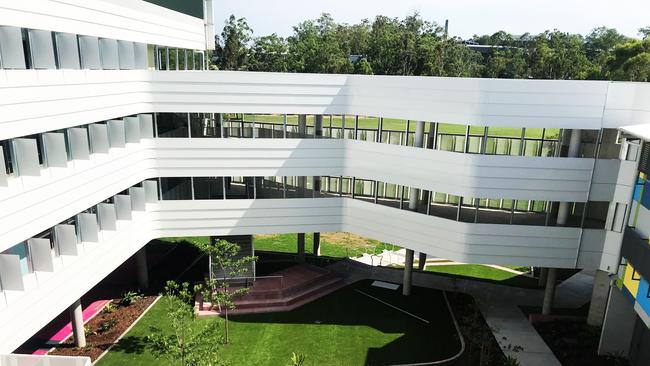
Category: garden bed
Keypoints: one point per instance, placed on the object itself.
(105, 328)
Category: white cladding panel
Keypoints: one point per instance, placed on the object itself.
(107, 216)
(79, 145)
(126, 53)
(87, 228)
(74, 189)
(3, 169)
(25, 157)
(41, 49)
(67, 51)
(109, 54)
(11, 274)
(132, 20)
(41, 254)
(132, 129)
(12, 55)
(54, 149)
(65, 238)
(116, 133)
(99, 141)
(74, 97)
(89, 50)
(123, 206)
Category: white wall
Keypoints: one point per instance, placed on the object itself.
(32, 204)
(133, 20)
(75, 97)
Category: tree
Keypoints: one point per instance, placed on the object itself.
(232, 48)
(599, 45)
(191, 343)
(315, 47)
(225, 256)
(269, 53)
(362, 67)
(631, 61)
(559, 56)
(645, 31)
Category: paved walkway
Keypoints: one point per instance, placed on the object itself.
(498, 304)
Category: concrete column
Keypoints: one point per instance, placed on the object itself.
(599, 296)
(422, 261)
(574, 152)
(318, 126)
(418, 142)
(316, 244)
(543, 274)
(143, 271)
(77, 321)
(562, 216)
(549, 293)
(302, 125)
(408, 272)
(618, 326)
(301, 247)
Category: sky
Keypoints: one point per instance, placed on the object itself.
(466, 17)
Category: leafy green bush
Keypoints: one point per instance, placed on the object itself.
(110, 308)
(107, 325)
(130, 297)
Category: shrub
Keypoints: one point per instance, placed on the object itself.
(109, 308)
(107, 325)
(89, 332)
(130, 297)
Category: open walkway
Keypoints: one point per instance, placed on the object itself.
(498, 304)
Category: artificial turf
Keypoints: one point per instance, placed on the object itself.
(343, 328)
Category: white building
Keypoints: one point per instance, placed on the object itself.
(104, 149)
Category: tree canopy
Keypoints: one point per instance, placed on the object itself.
(414, 46)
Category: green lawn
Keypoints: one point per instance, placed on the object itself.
(484, 273)
(400, 125)
(347, 245)
(344, 328)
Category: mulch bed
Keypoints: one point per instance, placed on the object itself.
(575, 343)
(98, 341)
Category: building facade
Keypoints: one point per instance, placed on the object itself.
(113, 133)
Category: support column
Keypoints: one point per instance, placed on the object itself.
(301, 247)
(418, 141)
(599, 295)
(318, 126)
(143, 270)
(422, 261)
(302, 126)
(408, 273)
(549, 292)
(543, 274)
(562, 216)
(77, 322)
(316, 244)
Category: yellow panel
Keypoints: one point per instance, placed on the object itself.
(631, 284)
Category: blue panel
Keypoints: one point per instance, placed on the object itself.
(637, 189)
(645, 198)
(642, 296)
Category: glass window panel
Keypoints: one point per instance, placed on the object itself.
(172, 124)
(208, 188)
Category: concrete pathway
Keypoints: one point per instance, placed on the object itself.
(498, 304)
